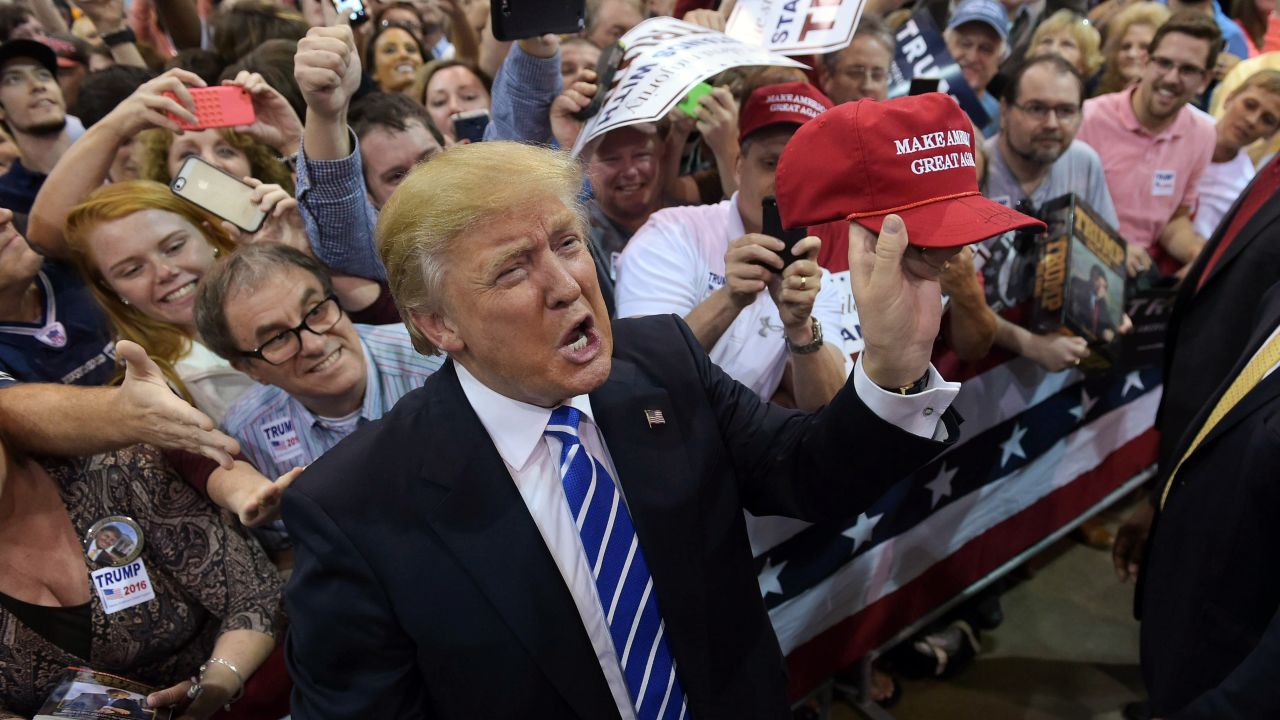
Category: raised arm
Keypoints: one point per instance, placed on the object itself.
(180, 19)
(86, 163)
(523, 92)
(332, 196)
(108, 17)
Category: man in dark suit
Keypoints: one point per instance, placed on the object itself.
(1211, 604)
(1210, 328)
(1210, 323)
(457, 558)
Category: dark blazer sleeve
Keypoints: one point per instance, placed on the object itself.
(1249, 691)
(824, 465)
(361, 667)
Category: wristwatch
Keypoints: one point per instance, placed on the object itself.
(120, 37)
(813, 345)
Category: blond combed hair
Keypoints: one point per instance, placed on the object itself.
(165, 342)
(1143, 13)
(1085, 35)
(454, 195)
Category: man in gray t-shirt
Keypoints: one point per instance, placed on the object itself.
(1035, 158)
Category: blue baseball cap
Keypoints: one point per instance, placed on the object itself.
(988, 12)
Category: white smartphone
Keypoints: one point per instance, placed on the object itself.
(211, 188)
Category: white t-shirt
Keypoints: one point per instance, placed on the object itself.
(676, 260)
(1220, 185)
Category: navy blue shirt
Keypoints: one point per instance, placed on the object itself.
(18, 188)
(72, 342)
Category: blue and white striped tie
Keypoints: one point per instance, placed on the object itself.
(622, 577)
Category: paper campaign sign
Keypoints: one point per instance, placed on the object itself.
(664, 59)
(922, 53)
(795, 27)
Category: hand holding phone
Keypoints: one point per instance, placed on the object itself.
(217, 107)
(606, 68)
(689, 105)
(353, 10)
(213, 189)
(771, 225)
(470, 125)
(520, 19)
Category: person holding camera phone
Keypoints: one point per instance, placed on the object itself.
(711, 265)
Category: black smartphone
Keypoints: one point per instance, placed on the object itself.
(520, 19)
(771, 225)
(920, 86)
(470, 125)
(606, 68)
(354, 10)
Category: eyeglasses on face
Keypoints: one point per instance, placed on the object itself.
(283, 346)
(1040, 112)
(1187, 72)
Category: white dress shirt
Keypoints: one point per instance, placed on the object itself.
(532, 457)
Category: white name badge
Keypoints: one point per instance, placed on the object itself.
(282, 439)
(1162, 182)
(123, 587)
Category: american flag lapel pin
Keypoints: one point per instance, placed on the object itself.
(654, 417)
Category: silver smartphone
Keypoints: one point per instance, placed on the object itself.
(211, 188)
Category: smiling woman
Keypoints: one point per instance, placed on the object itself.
(141, 250)
(393, 58)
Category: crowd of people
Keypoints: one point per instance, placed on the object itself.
(196, 413)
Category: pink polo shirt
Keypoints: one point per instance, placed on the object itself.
(1150, 176)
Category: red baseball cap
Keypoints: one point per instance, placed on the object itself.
(794, 103)
(912, 156)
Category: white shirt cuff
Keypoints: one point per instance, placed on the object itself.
(919, 414)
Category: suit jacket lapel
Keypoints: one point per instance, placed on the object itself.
(479, 514)
(1264, 391)
(1266, 215)
(662, 495)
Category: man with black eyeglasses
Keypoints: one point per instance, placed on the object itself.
(1154, 148)
(1036, 158)
(271, 311)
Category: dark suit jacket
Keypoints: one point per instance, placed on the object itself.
(1210, 632)
(422, 587)
(1208, 328)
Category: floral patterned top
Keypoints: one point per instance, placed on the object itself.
(208, 577)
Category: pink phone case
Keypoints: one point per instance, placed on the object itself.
(221, 106)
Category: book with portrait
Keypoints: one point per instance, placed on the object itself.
(1080, 276)
(86, 694)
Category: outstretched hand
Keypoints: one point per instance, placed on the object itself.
(153, 414)
(899, 301)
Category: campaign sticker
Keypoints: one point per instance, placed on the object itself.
(123, 587)
(113, 541)
(282, 439)
(1162, 182)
